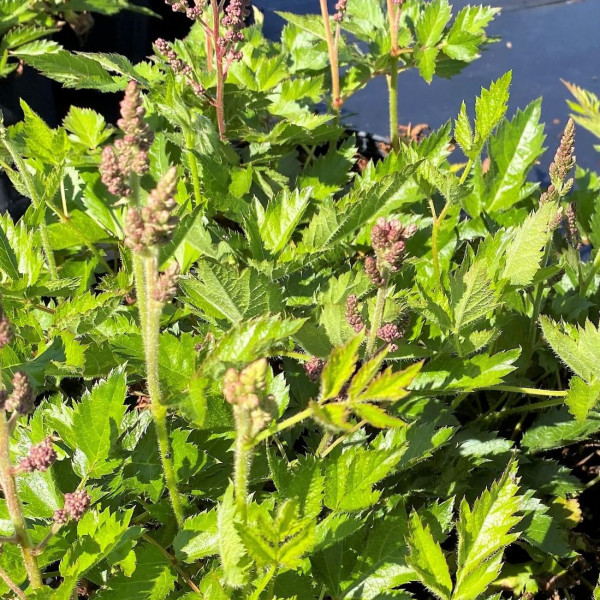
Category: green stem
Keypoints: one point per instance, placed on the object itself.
(591, 275)
(435, 230)
(195, 177)
(146, 273)
(336, 100)
(266, 433)
(537, 304)
(48, 250)
(392, 81)
(526, 408)
(15, 510)
(376, 322)
(466, 171)
(242, 460)
(530, 391)
(324, 444)
(262, 584)
(220, 101)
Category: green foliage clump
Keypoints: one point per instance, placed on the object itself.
(241, 361)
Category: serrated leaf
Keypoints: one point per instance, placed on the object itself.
(376, 416)
(391, 385)
(333, 416)
(427, 559)
(231, 549)
(96, 423)
(490, 107)
(484, 531)
(350, 477)
(153, 579)
(463, 133)
(582, 397)
(281, 217)
(8, 260)
(513, 150)
(87, 127)
(222, 292)
(578, 347)
(472, 294)
(339, 368)
(557, 428)
(524, 255)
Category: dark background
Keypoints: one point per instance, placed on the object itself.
(542, 41)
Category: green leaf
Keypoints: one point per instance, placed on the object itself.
(432, 21)
(234, 558)
(427, 559)
(278, 222)
(524, 254)
(339, 368)
(222, 292)
(513, 150)
(382, 562)
(375, 416)
(73, 70)
(96, 423)
(472, 294)
(481, 370)
(153, 579)
(198, 539)
(251, 340)
(8, 259)
(391, 385)
(557, 428)
(484, 531)
(350, 477)
(490, 107)
(463, 133)
(577, 347)
(97, 535)
(582, 397)
(87, 127)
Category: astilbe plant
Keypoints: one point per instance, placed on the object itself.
(238, 366)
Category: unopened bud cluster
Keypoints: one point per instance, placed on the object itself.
(564, 160)
(353, 316)
(236, 13)
(76, 504)
(561, 166)
(154, 223)
(39, 457)
(5, 329)
(314, 367)
(129, 154)
(246, 391)
(21, 400)
(166, 286)
(388, 239)
(178, 66)
(191, 11)
(340, 10)
(389, 333)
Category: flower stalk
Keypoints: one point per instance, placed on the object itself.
(332, 49)
(147, 226)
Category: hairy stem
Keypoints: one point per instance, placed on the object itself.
(537, 303)
(286, 424)
(15, 510)
(145, 273)
(591, 275)
(336, 100)
(11, 584)
(392, 80)
(220, 104)
(376, 322)
(242, 461)
(195, 177)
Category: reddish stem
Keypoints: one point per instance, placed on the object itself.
(220, 74)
